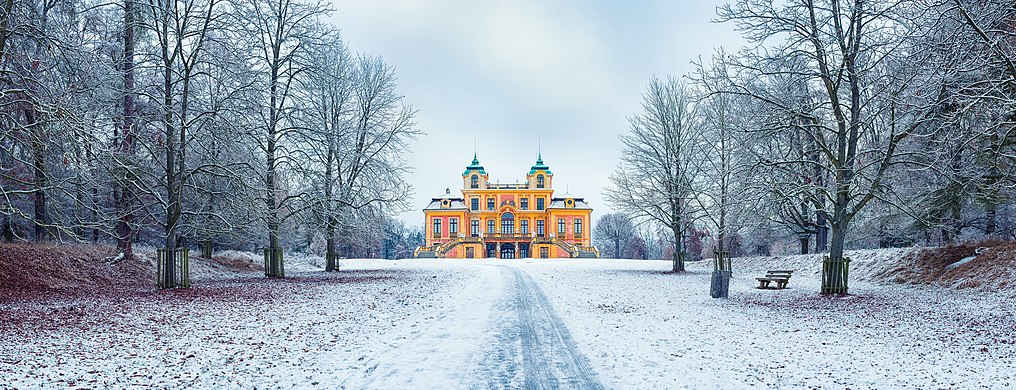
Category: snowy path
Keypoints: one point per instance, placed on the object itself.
(531, 346)
(434, 351)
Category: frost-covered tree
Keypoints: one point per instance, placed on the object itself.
(860, 59)
(653, 181)
(280, 34)
(612, 234)
(357, 128)
(725, 166)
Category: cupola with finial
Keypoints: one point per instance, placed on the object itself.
(539, 175)
(474, 176)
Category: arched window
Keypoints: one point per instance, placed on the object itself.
(474, 182)
(539, 181)
(507, 223)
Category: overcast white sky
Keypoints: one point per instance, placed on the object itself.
(506, 73)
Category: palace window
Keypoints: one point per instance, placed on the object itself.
(490, 203)
(560, 226)
(474, 227)
(524, 226)
(524, 203)
(474, 182)
(539, 181)
(539, 227)
(539, 203)
(437, 227)
(490, 226)
(507, 223)
(474, 204)
(578, 228)
(453, 226)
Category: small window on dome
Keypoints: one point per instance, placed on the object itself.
(539, 181)
(474, 182)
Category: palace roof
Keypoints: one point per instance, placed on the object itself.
(446, 201)
(540, 166)
(475, 166)
(560, 203)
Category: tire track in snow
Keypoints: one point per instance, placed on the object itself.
(532, 347)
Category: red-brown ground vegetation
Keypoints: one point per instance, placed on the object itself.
(27, 268)
(993, 269)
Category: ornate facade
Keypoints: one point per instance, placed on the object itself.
(507, 220)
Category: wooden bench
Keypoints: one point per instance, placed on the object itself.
(779, 277)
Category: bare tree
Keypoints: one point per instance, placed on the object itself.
(279, 32)
(359, 131)
(180, 30)
(724, 178)
(612, 231)
(653, 181)
(127, 136)
(860, 57)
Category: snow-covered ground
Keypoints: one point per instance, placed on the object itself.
(509, 324)
(643, 328)
(377, 323)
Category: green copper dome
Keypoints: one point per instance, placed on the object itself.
(540, 166)
(475, 166)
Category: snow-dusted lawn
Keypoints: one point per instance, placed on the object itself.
(427, 324)
(643, 328)
(360, 327)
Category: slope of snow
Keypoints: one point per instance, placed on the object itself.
(864, 264)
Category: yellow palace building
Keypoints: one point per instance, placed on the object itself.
(507, 220)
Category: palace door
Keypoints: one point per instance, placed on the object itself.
(507, 251)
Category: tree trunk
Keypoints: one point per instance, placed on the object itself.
(274, 262)
(125, 197)
(39, 183)
(617, 247)
(330, 255)
(7, 229)
(678, 265)
(331, 264)
(821, 225)
(834, 275)
(172, 174)
(838, 225)
(990, 218)
(821, 233)
(721, 236)
(273, 208)
(804, 238)
(95, 214)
